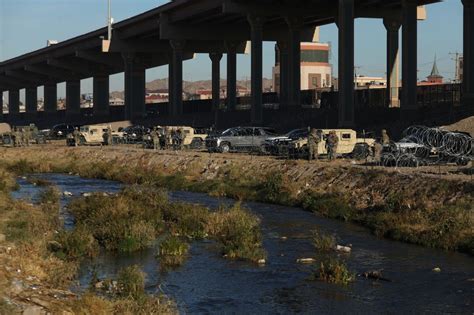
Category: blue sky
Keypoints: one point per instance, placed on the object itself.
(26, 25)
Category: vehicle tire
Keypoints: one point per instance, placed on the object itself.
(462, 161)
(197, 143)
(82, 141)
(361, 151)
(224, 147)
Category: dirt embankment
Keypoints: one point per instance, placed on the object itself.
(364, 186)
(465, 125)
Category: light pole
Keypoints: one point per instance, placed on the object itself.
(109, 21)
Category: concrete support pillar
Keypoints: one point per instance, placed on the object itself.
(468, 52)
(73, 99)
(409, 56)
(256, 25)
(176, 77)
(50, 98)
(294, 61)
(216, 79)
(101, 95)
(392, 25)
(346, 63)
(1, 105)
(134, 88)
(284, 68)
(31, 101)
(13, 102)
(231, 75)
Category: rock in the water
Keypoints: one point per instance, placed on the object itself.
(305, 260)
(344, 249)
(67, 194)
(86, 194)
(375, 274)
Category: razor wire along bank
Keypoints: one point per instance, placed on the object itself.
(429, 146)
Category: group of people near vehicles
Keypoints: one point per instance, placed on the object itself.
(164, 138)
(315, 137)
(21, 136)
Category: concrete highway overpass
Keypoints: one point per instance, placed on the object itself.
(175, 31)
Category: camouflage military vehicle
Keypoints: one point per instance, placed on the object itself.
(5, 134)
(349, 144)
(194, 138)
(93, 135)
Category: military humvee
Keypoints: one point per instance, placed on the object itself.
(194, 138)
(5, 134)
(349, 144)
(93, 135)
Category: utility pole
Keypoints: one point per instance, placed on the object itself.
(355, 75)
(109, 21)
(456, 60)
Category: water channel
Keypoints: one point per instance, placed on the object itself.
(207, 283)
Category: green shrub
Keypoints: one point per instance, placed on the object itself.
(172, 252)
(76, 244)
(49, 195)
(333, 271)
(273, 189)
(22, 167)
(131, 282)
(187, 220)
(322, 241)
(127, 222)
(331, 205)
(238, 231)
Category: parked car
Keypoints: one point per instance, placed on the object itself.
(240, 139)
(279, 145)
(135, 134)
(60, 131)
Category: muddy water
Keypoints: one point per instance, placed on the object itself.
(208, 283)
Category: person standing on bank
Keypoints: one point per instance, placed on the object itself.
(313, 144)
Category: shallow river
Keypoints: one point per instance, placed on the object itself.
(207, 283)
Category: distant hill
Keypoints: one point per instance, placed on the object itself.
(192, 86)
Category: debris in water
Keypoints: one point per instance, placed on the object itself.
(305, 260)
(344, 249)
(261, 262)
(375, 274)
(437, 269)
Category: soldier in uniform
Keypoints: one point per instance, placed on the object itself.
(378, 147)
(385, 138)
(21, 132)
(181, 137)
(110, 140)
(313, 143)
(76, 134)
(14, 137)
(168, 137)
(155, 138)
(27, 136)
(331, 144)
